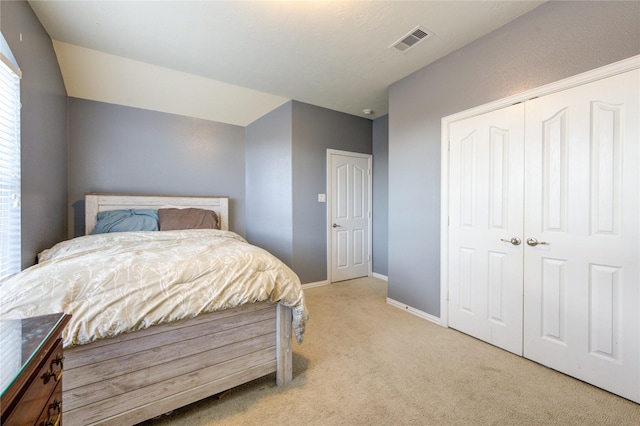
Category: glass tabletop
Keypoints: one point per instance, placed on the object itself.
(20, 339)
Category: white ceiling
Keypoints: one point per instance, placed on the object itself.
(234, 61)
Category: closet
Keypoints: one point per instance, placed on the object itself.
(542, 234)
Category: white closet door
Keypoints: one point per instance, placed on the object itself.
(486, 212)
(582, 300)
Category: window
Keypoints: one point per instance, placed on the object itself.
(10, 222)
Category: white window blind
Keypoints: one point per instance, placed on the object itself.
(10, 238)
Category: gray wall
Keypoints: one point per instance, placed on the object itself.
(272, 170)
(286, 170)
(554, 41)
(269, 212)
(115, 148)
(314, 131)
(43, 131)
(380, 195)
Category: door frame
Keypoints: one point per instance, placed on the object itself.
(577, 80)
(329, 200)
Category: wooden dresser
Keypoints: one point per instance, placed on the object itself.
(31, 370)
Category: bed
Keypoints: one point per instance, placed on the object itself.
(136, 365)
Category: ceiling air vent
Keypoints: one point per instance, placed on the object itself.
(410, 40)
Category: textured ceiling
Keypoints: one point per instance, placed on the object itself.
(233, 61)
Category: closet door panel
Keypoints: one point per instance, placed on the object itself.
(485, 268)
(581, 281)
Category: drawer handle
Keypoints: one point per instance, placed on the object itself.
(55, 406)
(55, 422)
(58, 360)
(49, 374)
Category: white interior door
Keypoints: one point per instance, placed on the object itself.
(582, 297)
(486, 226)
(350, 215)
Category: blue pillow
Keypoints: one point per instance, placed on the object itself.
(126, 220)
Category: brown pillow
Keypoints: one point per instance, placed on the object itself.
(172, 219)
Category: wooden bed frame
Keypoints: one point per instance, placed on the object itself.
(98, 202)
(140, 375)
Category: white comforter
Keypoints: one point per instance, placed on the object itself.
(120, 282)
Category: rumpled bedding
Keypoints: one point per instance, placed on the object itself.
(125, 281)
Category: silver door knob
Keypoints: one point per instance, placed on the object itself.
(335, 225)
(515, 241)
(533, 242)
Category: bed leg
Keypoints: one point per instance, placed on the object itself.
(284, 373)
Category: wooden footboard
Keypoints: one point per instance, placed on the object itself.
(140, 375)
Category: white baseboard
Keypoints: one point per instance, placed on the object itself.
(414, 311)
(380, 276)
(315, 284)
(326, 282)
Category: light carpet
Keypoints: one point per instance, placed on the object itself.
(365, 362)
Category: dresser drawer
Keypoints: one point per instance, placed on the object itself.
(52, 413)
(39, 391)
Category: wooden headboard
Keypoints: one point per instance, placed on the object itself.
(98, 202)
